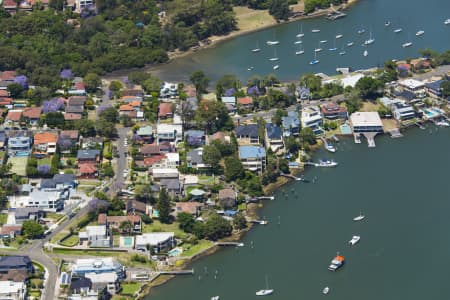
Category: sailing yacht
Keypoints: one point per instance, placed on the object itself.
(349, 44)
(266, 291)
(339, 36)
(342, 51)
(407, 44)
(300, 34)
(275, 57)
(300, 51)
(370, 41)
(361, 31)
(360, 217)
(276, 67)
(315, 60)
(446, 22)
(273, 42)
(257, 49)
(298, 42)
(315, 30)
(366, 53)
(334, 46)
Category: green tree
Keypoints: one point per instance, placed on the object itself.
(15, 90)
(239, 222)
(186, 222)
(91, 82)
(214, 116)
(211, 156)
(291, 144)
(307, 136)
(311, 81)
(353, 101)
(152, 84)
(105, 128)
(32, 229)
(200, 81)
(54, 120)
(233, 168)
(369, 88)
(445, 86)
(115, 86)
(226, 82)
(126, 227)
(110, 114)
(216, 227)
(279, 114)
(279, 9)
(163, 206)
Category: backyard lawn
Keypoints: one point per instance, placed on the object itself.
(157, 226)
(71, 241)
(194, 249)
(19, 165)
(44, 161)
(130, 288)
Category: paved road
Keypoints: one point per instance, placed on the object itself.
(121, 162)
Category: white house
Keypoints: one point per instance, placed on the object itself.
(169, 132)
(156, 240)
(312, 118)
(10, 290)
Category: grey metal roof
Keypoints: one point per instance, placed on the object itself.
(250, 130)
(88, 154)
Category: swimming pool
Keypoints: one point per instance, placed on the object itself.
(175, 251)
(127, 241)
(22, 153)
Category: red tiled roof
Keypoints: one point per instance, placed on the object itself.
(6, 101)
(165, 109)
(14, 115)
(8, 75)
(4, 93)
(87, 169)
(245, 100)
(71, 116)
(148, 161)
(332, 108)
(101, 219)
(79, 86)
(71, 134)
(32, 112)
(45, 138)
(126, 107)
(7, 229)
(188, 207)
(150, 149)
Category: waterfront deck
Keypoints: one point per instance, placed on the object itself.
(395, 133)
(235, 244)
(176, 272)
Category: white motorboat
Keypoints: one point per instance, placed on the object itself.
(323, 41)
(443, 124)
(266, 291)
(263, 222)
(361, 31)
(406, 45)
(447, 22)
(366, 53)
(325, 290)
(276, 67)
(330, 148)
(342, 53)
(271, 43)
(274, 59)
(297, 42)
(327, 163)
(339, 36)
(349, 44)
(398, 30)
(250, 68)
(420, 32)
(315, 30)
(355, 239)
(215, 298)
(387, 23)
(360, 217)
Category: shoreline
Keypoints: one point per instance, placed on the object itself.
(217, 39)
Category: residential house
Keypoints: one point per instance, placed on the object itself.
(13, 290)
(71, 135)
(98, 265)
(45, 143)
(218, 136)
(7, 77)
(81, 5)
(245, 102)
(156, 240)
(104, 282)
(420, 64)
(168, 90)
(2, 139)
(165, 173)
(87, 163)
(15, 262)
(32, 115)
(227, 198)
(81, 289)
(169, 133)
(165, 110)
(19, 144)
(362, 122)
(96, 236)
(92, 142)
(135, 207)
(150, 150)
(133, 110)
(15, 276)
(194, 159)
(434, 88)
(172, 186)
(247, 134)
(195, 137)
(77, 101)
(22, 214)
(312, 118)
(414, 86)
(10, 231)
(13, 118)
(403, 112)
(44, 199)
(333, 111)
(145, 134)
(253, 158)
(6, 101)
(291, 124)
(77, 89)
(133, 91)
(274, 137)
(191, 207)
(303, 93)
(230, 104)
(403, 70)
(114, 222)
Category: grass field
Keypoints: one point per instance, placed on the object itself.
(44, 161)
(71, 241)
(130, 288)
(157, 226)
(194, 249)
(249, 19)
(19, 165)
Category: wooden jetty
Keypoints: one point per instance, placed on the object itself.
(177, 272)
(236, 244)
(292, 177)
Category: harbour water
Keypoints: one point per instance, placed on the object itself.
(402, 188)
(235, 56)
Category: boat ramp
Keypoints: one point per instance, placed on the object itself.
(335, 15)
(395, 133)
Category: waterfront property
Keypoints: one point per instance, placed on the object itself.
(156, 240)
(312, 118)
(274, 137)
(97, 236)
(98, 266)
(253, 158)
(291, 124)
(247, 134)
(368, 124)
(333, 111)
